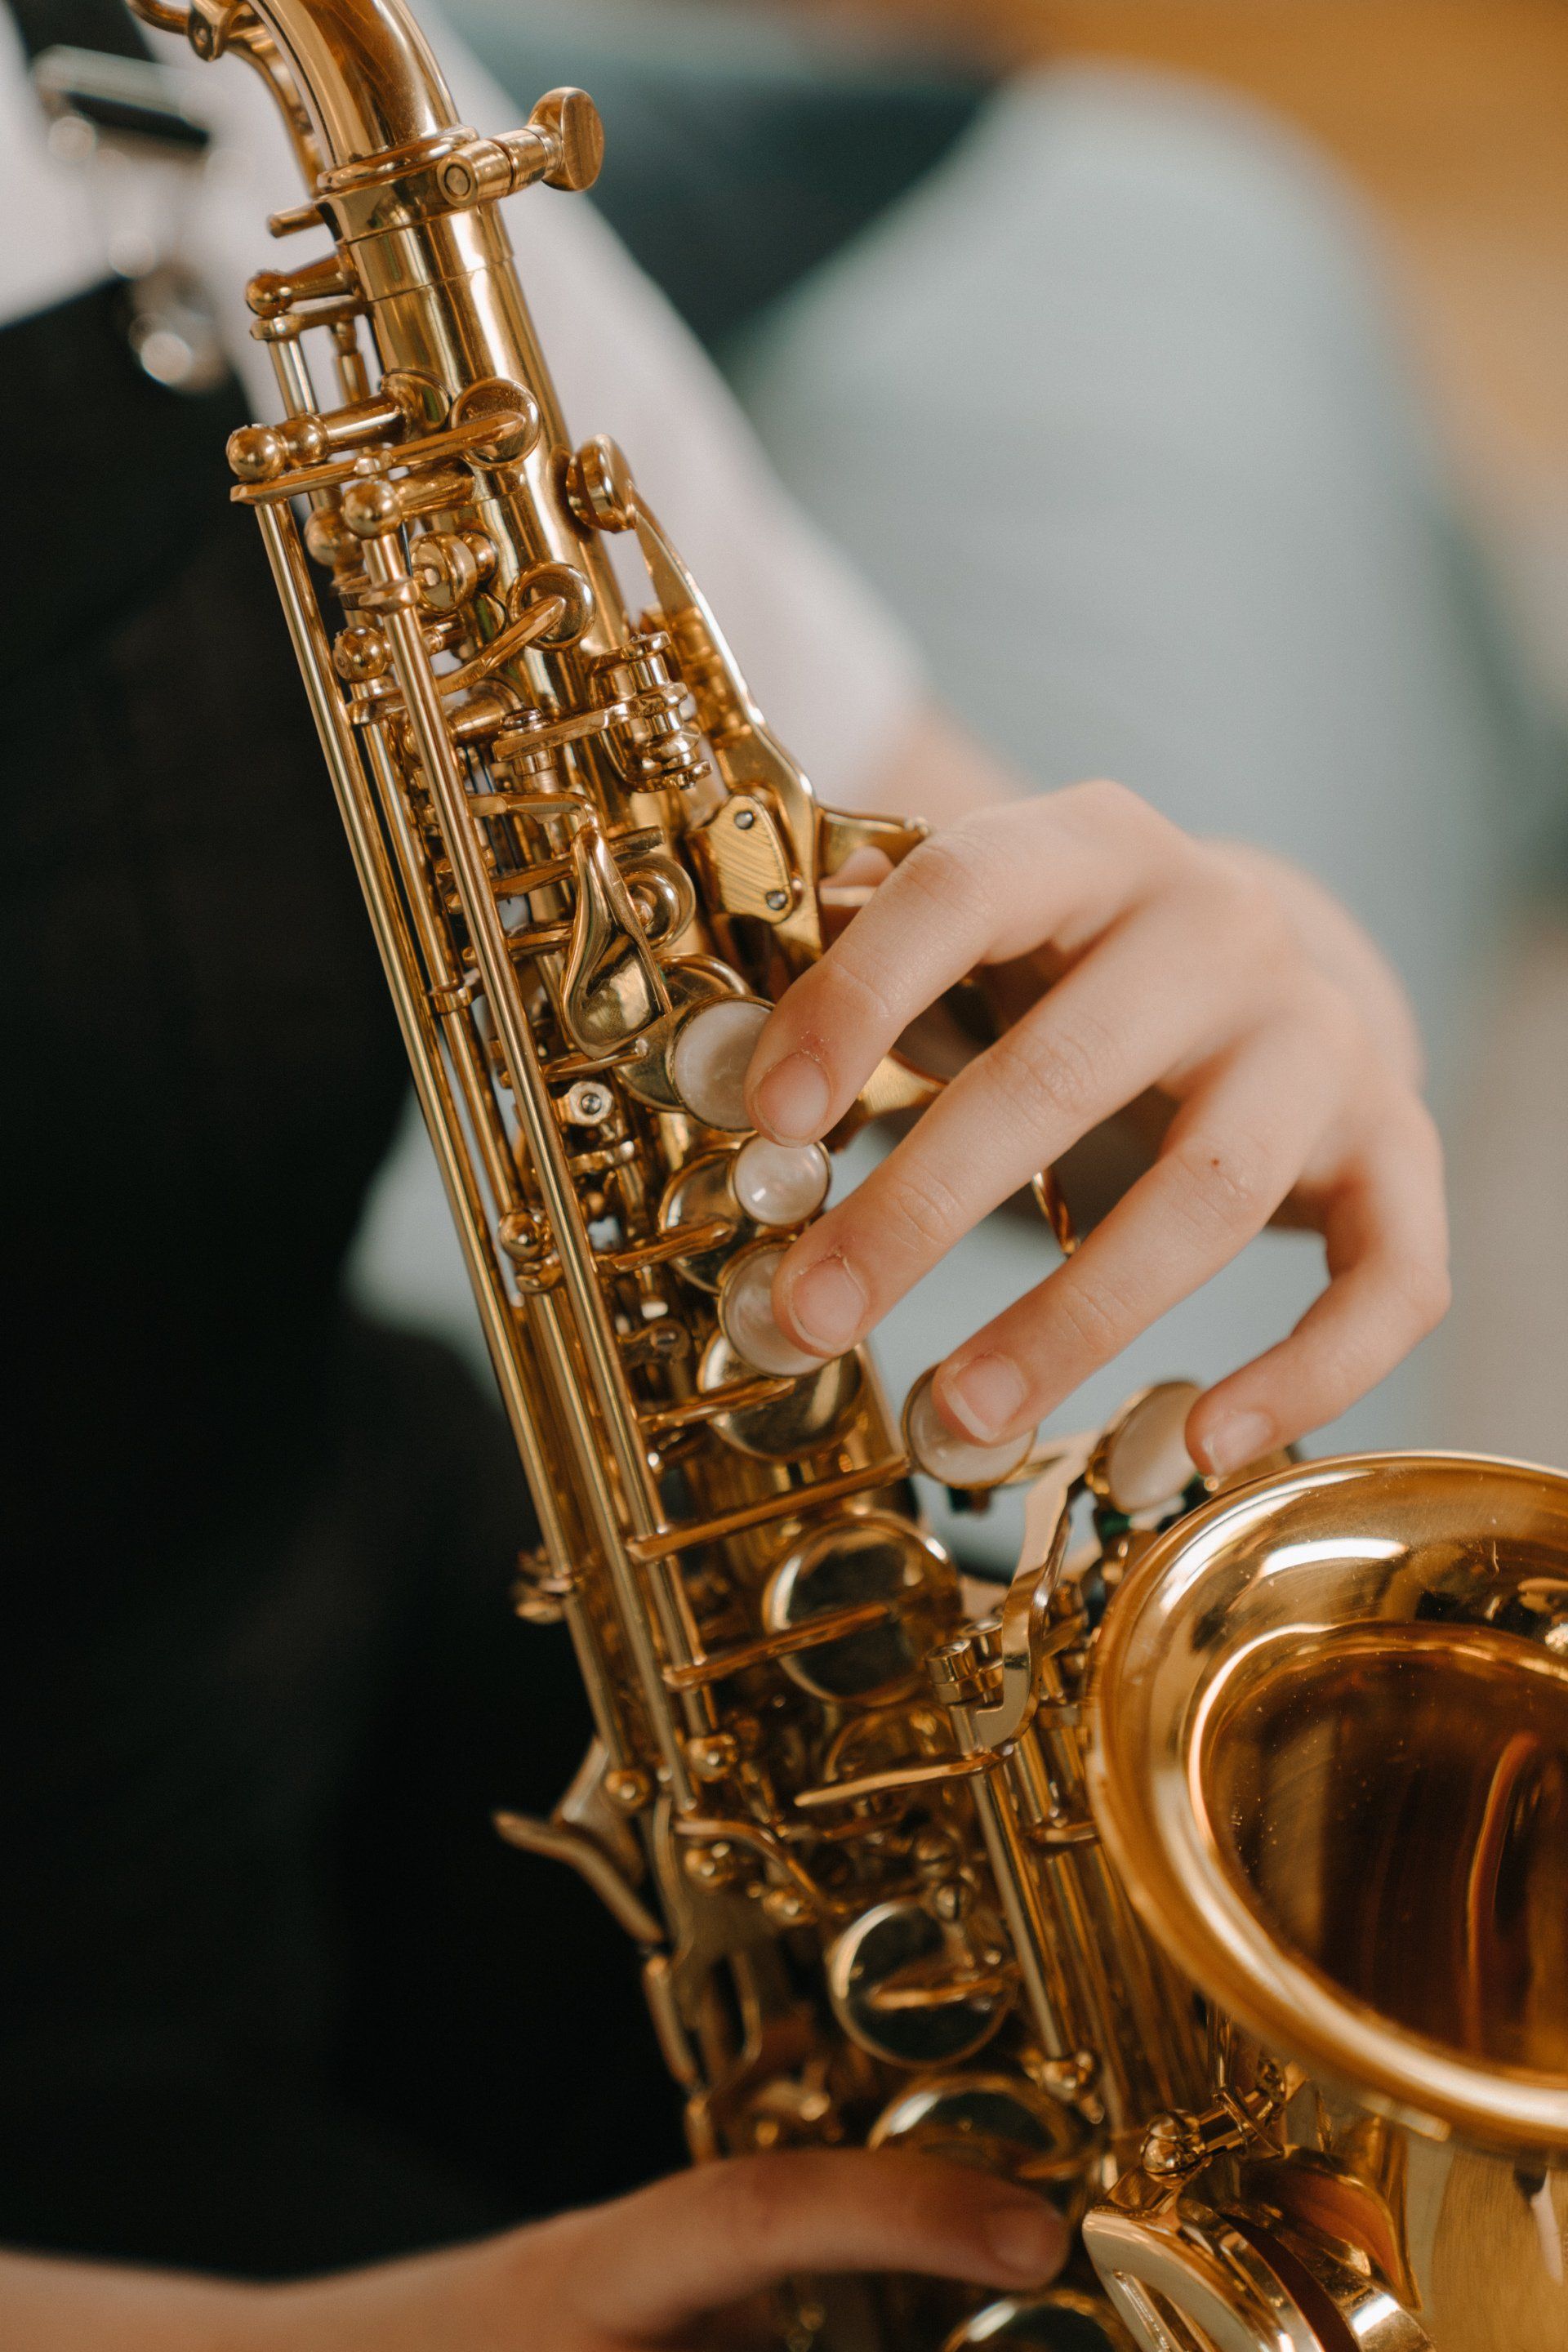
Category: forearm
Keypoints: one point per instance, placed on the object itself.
(48, 2306)
(644, 2271)
(448, 2300)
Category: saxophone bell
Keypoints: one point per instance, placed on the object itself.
(1329, 1761)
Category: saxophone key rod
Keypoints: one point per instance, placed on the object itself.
(291, 577)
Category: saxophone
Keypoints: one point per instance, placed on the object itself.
(1216, 1883)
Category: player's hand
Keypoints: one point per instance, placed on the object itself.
(1134, 958)
(678, 2264)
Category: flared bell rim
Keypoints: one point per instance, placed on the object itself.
(1161, 1651)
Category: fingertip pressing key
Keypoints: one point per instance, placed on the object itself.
(790, 1101)
(827, 1305)
(1236, 1438)
(982, 1395)
(1026, 2241)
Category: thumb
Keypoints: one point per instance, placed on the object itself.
(650, 2263)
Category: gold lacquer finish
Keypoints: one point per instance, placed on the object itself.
(898, 1873)
(1331, 1763)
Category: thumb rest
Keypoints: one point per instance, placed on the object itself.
(1215, 1885)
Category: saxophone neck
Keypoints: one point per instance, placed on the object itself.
(362, 70)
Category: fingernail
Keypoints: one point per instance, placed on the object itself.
(983, 1396)
(827, 1306)
(1237, 1440)
(791, 1102)
(1026, 2241)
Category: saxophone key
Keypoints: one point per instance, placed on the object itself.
(711, 1055)
(772, 1418)
(778, 1184)
(746, 1314)
(958, 1462)
(998, 2120)
(915, 1990)
(857, 1558)
(733, 1196)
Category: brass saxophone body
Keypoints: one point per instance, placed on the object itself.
(904, 1868)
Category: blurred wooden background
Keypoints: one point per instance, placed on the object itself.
(1452, 115)
(1452, 118)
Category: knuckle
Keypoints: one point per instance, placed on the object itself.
(1050, 1071)
(862, 994)
(846, 1014)
(1425, 1140)
(1224, 1180)
(1339, 1376)
(1336, 1024)
(1247, 916)
(951, 873)
(1092, 1318)
(1423, 1288)
(920, 1199)
(1115, 806)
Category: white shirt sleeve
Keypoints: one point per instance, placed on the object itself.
(833, 671)
(830, 668)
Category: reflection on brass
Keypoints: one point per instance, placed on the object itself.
(560, 1842)
(744, 862)
(1330, 1762)
(1237, 1838)
(1345, 1809)
(611, 986)
(1002, 2122)
(799, 1420)
(698, 1195)
(1063, 2319)
(862, 1556)
(915, 1990)
(831, 1628)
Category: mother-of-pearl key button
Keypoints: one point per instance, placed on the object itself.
(779, 1183)
(945, 1453)
(710, 1057)
(1142, 1462)
(746, 1315)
